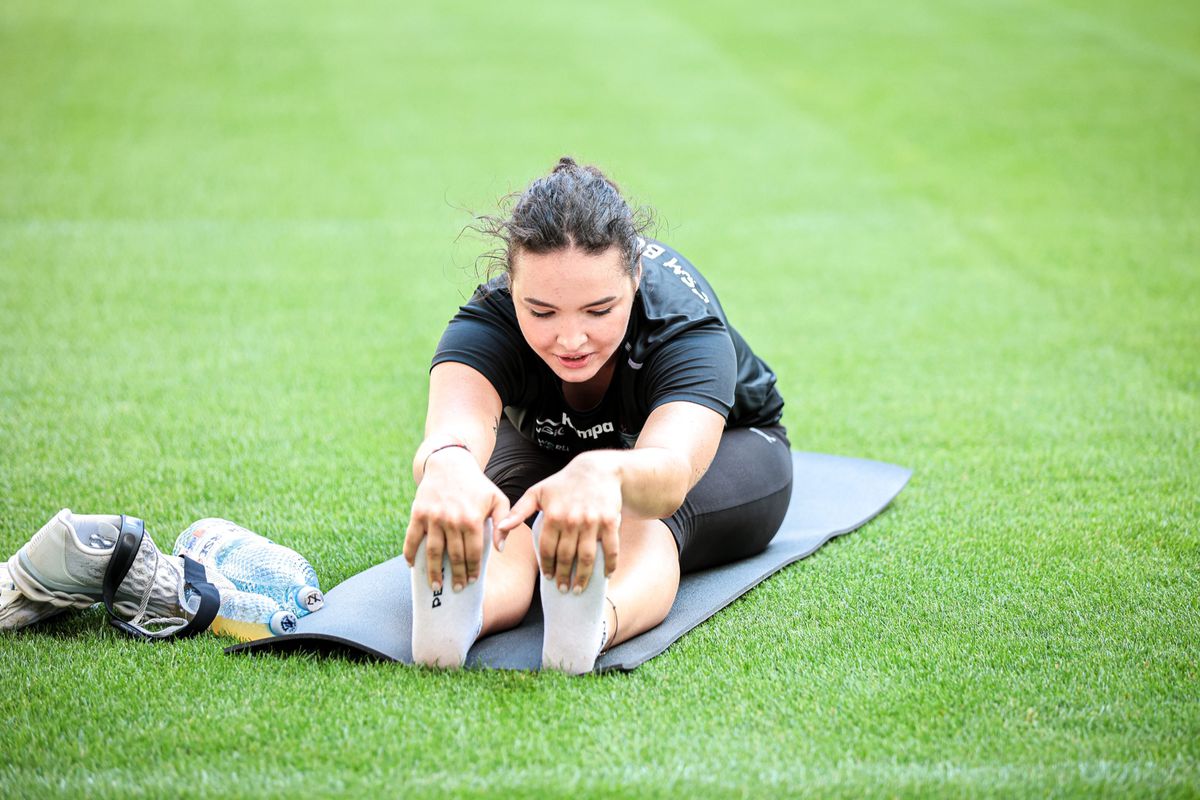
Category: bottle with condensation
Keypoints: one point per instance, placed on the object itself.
(253, 563)
(247, 616)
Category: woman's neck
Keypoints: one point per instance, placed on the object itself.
(587, 395)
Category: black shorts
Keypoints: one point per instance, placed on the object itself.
(733, 512)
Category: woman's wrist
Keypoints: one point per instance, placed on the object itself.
(650, 479)
(439, 449)
(600, 464)
(426, 452)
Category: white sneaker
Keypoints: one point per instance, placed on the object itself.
(16, 610)
(63, 565)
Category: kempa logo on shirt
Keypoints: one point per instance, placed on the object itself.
(552, 427)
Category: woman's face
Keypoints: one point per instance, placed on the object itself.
(573, 308)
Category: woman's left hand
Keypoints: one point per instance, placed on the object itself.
(580, 505)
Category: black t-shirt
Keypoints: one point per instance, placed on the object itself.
(678, 346)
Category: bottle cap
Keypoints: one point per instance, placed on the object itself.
(309, 599)
(282, 622)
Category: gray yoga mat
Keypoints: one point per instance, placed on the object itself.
(370, 614)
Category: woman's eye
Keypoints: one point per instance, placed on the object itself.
(544, 314)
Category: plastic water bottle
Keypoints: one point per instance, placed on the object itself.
(253, 563)
(247, 616)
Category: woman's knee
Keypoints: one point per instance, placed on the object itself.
(647, 543)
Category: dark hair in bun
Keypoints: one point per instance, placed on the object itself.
(572, 206)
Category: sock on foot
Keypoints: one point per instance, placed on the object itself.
(574, 630)
(446, 623)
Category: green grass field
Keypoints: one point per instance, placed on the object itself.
(965, 234)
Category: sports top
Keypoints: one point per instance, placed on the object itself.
(678, 346)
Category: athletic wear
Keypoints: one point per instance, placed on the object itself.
(572, 624)
(732, 512)
(735, 510)
(678, 346)
(445, 623)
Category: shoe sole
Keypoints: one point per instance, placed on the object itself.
(16, 610)
(36, 587)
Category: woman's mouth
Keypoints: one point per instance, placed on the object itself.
(575, 361)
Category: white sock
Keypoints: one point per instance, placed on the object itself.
(446, 623)
(574, 631)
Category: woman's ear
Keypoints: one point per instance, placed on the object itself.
(637, 278)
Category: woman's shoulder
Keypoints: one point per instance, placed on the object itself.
(674, 296)
(674, 285)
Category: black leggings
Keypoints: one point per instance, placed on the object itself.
(733, 512)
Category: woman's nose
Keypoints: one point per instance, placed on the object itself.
(572, 339)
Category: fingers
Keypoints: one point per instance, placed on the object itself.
(463, 543)
(455, 546)
(498, 537)
(500, 510)
(450, 519)
(526, 507)
(547, 546)
(610, 539)
(568, 543)
(412, 540)
(434, 548)
(586, 562)
(473, 545)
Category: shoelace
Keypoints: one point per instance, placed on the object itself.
(178, 622)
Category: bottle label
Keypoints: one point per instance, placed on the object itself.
(202, 538)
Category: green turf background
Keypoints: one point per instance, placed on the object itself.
(965, 234)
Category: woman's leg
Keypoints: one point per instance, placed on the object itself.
(515, 465)
(643, 587)
(733, 512)
(737, 507)
(635, 598)
(508, 587)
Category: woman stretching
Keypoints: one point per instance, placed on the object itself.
(593, 413)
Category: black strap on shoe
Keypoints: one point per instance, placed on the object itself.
(210, 599)
(129, 543)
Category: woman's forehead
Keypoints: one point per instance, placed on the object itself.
(570, 271)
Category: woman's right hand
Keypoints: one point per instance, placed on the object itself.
(453, 500)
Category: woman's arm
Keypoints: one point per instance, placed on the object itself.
(583, 502)
(673, 452)
(463, 409)
(453, 497)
